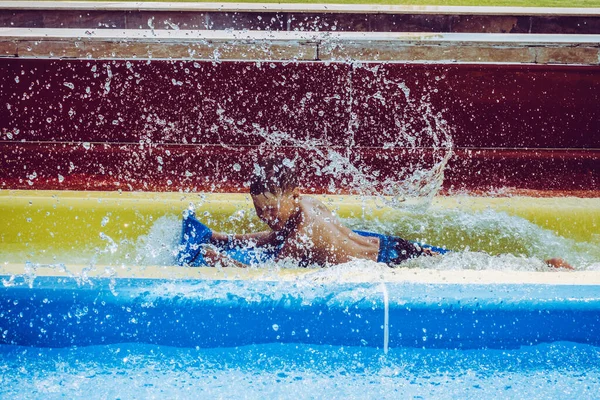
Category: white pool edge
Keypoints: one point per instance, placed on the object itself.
(325, 275)
(163, 35)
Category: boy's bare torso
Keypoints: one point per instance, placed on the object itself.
(315, 235)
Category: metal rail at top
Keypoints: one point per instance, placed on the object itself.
(298, 17)
(298, 8)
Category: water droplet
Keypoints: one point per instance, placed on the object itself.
(275, 327)
(237, 167)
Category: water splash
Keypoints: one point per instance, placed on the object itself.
(421, 135)
(160, 245)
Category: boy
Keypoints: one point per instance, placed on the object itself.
(302, 229)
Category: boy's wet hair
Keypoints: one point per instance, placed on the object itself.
(273, 175)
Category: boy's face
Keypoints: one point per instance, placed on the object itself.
(275, 210)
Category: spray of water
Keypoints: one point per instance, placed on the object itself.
(483, 240)
(419, 131)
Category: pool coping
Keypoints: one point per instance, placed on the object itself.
(334, 274)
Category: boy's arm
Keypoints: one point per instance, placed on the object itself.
(257, 238)
(214, 257)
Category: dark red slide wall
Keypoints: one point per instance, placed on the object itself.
(184, 125)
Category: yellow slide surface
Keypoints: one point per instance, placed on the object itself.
(42, 224)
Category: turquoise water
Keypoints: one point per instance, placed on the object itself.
(561, 370)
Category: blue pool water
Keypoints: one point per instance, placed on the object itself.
(561, 370)
(102, 338)
(63, 312)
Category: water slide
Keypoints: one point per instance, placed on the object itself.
(470, 128)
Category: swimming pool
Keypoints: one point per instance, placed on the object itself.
(271, 333)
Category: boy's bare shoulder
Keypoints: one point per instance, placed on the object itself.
(313, 208)
(315, 216)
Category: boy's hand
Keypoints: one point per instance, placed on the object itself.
(559, 263)
(429, 252)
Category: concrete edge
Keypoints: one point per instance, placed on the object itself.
(298, 7)
(338, 274)
(163, 35)
(217, 46)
